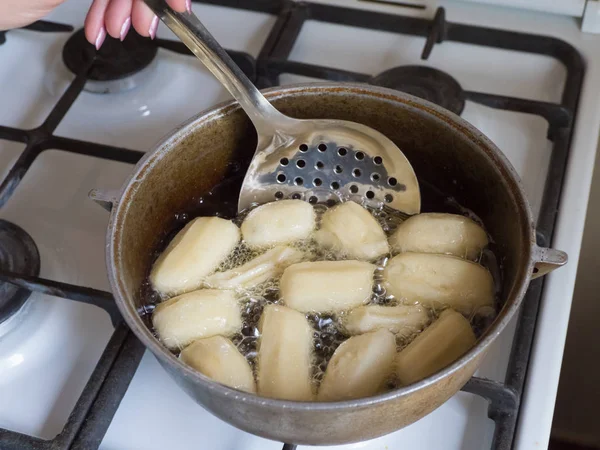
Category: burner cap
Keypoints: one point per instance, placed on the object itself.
(116, 63)
(424, 82)
(19, 254)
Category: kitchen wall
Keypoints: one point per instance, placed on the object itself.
(577, 412)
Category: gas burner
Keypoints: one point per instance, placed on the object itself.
(424, 82)
(18, 254)
(119, 66)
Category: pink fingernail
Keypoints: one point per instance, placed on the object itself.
(153, 27)
(188, 5)
(100, 38)
(125, 29)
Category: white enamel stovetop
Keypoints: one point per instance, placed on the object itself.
(47, 358)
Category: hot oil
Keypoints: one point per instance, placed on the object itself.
(328, 333)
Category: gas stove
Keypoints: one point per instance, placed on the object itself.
(72, 376)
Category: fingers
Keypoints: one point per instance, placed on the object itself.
(143, 19)
(146, 23)
(180, 5)
(117, 16)
(95, 32)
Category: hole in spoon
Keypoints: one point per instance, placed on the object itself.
(313, 200)
(342, 151)
(300, 163)
(319, 165)
(296, 196)
(298, 181)
(359, 156)
(370, 195)
(375, 177)
(378, 160)
(356, 172)
(278, 195)
(392, 181)
(335, 185)
(304, 148)
(322, 147)
(284, 161)
(317, 182)
(354, 189)
(338, 169)
(281, 178)
(389, 198)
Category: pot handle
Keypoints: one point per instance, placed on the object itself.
(547, 260)
(106, 199)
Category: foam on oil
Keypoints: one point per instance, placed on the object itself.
(328, 332)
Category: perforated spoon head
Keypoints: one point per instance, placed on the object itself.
(316, 160)
(324, 161)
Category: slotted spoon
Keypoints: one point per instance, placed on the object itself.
(315, 160)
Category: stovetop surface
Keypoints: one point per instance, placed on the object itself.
(47, 359)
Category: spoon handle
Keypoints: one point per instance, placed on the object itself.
(188, 28)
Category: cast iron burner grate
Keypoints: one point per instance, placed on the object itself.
(19, 254)
(41, 26)
(106, 387)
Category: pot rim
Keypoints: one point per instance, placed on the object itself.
(223, 109)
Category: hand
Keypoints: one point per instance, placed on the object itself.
(115, 17)
(112, 16)
(18, 13)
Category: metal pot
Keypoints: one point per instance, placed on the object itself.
(444, 150)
